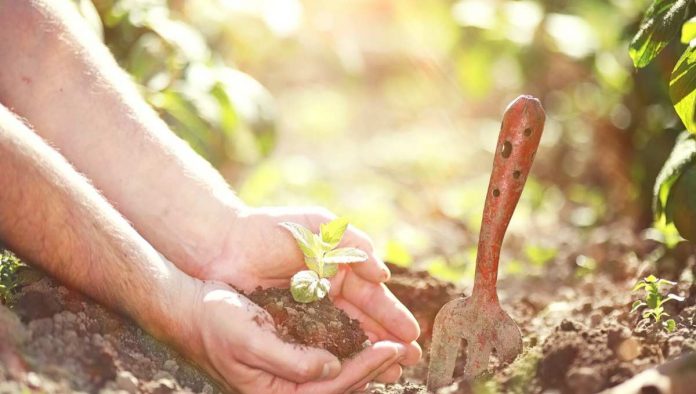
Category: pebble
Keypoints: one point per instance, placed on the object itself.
(127, 382)
(171, 366)
(33, 380)
(207, 389)
(162, 375)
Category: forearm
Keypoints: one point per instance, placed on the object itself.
(56, 74)
(52, 216)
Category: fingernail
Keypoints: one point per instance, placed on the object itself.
(385, 273)
(331, 369)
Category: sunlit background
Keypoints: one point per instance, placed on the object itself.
(387, 111)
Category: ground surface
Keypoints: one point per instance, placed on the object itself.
(579, 334)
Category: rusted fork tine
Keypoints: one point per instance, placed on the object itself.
(479, 319)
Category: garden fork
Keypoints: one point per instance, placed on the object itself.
(479, 319)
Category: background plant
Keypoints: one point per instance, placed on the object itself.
(9, 278)
(391, 122)
(322, 256)
(653, 301)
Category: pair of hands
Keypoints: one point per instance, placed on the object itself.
(235, 340)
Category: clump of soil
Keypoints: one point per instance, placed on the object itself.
(56, 340)
(317, 324)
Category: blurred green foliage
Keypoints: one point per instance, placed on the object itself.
(223, 113)
(387, 111)
(9, 278)
(662, 23)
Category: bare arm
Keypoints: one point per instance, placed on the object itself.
(55, 73)
(51, 215)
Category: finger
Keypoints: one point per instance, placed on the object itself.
(360, 369)
(374, 269)
(390, 375)
(372, 376)
(366, 323)
(377, 302)
(293, 362)
(413, 354)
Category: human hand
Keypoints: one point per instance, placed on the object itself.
(258, 252)
(235, 341)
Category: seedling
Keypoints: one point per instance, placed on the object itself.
(653, 302)
(322, 258)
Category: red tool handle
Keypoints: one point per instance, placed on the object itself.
(523, 123)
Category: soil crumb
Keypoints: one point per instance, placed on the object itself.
(317, 324)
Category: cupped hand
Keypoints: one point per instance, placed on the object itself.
(259, 252)
(235, 341)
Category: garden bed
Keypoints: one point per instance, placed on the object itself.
(578, 331)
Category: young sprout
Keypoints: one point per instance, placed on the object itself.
(653, 302)
(321, 256)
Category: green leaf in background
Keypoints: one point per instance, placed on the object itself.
(682, 88)
(332, 232)
(683, 154)
(345, 256)
(660, 24)
(688, 31)
(397, 253)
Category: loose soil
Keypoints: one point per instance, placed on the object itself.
(318, 324)
(579, 334)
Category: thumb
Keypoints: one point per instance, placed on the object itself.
(291, 361)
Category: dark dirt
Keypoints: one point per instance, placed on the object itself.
(318, 324)
(579, 334)
(55, 340)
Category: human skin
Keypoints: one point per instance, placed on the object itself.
(56, 75)
(52, 216)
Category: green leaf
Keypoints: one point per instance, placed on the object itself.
(675, 297)
(329, 270)
(688, 32)
(650, 279)
(332, 232)
(306, 286)
(636, 305)
(653, 300)
(345, 256)
(306, 240)
(683, 154)
(682, 88)
(639, 285)
(670, 325)
(660, 24)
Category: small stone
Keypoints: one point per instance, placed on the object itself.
(161, 386)
(162, 375)
(127, 382)
(33, 380)
(584, 380)
(171, 366)
(628, 349)
(207, 389)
